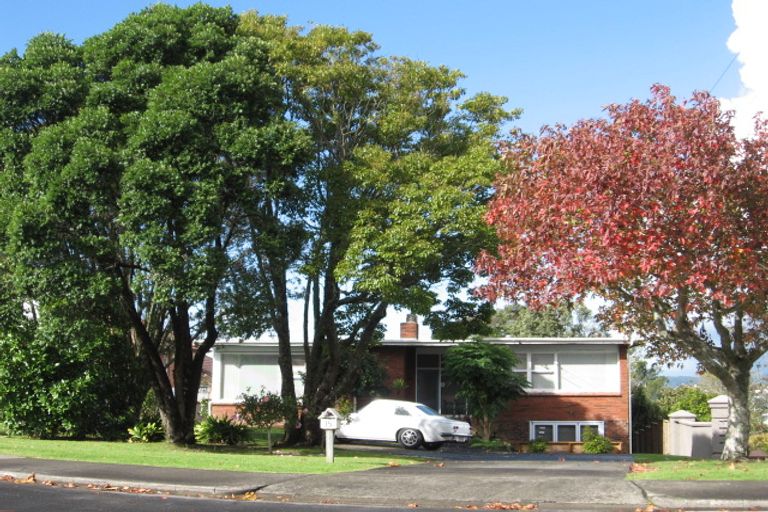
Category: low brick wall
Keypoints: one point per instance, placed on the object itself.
(513, 423)
(219, 410)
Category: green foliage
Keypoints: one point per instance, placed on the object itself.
(145, 432)
(494, 445)
(647, 387)
(213, 430)
(345, 406)
(68, 378)
(759, 442)
(687, 398)
(537, 446)
(186, 162)
(460, 319)
(594, 443)
(564, 320)
(486, 379)
(150, 412)
(264, 409)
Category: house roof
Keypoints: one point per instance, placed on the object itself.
(245, 345)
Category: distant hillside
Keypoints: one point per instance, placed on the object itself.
(682, 380)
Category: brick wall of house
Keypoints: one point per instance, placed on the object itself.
(612, 408)
(398, 363)
(513, 423)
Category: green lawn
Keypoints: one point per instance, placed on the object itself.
(665, 467)
(243, 458)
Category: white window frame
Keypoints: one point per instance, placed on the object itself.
(526, 360)
(554, 424)
(529, 371)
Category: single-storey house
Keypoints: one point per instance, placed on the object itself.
(576, 383)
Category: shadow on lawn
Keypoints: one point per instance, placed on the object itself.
(261, 449)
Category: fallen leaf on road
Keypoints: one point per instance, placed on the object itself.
(440, 465)
(249, 496)
(29, 480)
(413, 505)
(49, 483)
(393, 464)
(640, 468)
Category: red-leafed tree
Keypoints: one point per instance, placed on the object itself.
(661, 211)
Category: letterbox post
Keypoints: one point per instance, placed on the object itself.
(329, 422)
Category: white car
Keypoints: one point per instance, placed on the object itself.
(409, 423)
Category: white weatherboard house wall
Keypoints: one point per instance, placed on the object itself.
(238, 367)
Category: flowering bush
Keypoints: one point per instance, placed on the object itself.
(263, 410)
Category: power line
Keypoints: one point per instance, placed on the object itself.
(723, 73)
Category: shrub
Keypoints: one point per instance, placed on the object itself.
(537, 446)
(213, 430)
(486, 378)
(344, 406)
(758, 442)
(263, 410)
(687, 398)
(595, 443)
(145, 432)
(494, 445)
(68, 379)
(150, 409)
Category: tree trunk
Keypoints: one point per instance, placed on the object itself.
(485, 428)
(737, 437)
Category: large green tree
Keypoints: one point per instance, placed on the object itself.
(387, 205)
(129, 195)
(561, 320)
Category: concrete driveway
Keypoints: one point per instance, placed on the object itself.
(467, 482)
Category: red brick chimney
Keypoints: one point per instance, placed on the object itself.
(409, 330)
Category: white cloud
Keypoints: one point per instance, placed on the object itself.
(749, 41)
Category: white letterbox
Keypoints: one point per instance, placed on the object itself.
(329, 419)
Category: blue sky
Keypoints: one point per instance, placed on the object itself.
(558, 60)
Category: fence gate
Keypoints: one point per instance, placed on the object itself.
(648, 439)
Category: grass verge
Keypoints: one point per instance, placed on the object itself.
(666, 467)
(224, 458)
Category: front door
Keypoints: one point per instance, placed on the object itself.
(428, 387)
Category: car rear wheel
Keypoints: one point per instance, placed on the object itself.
(410, 438)
(432, 446)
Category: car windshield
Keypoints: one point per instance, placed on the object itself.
(427, 410)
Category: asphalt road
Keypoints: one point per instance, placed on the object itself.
(34, 498)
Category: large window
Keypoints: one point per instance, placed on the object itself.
(570, 371)
(564, 431)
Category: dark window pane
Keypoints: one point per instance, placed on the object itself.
(544, 432)
(566, 432)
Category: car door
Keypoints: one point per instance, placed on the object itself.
(365, 423)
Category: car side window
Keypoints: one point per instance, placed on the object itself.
(400, 411)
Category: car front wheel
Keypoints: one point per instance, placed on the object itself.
(410, 438)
